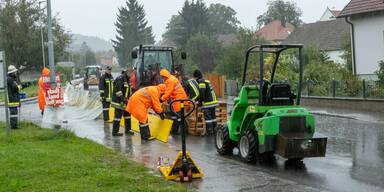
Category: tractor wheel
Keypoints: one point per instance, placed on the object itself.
(224, 144)
(248, 147)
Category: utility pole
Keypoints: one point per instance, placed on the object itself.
(42, 37)
(51, 55)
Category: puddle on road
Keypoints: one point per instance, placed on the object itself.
(354, 162)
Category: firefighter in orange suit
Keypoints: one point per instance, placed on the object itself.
(141, 101)
(41, 90)
(174, 91)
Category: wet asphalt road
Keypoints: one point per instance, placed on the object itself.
(354, 161)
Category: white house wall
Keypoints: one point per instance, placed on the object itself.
(336, 56)
(327, 15)
(369, 43)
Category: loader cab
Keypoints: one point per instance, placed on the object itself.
(148, 60)
(272, 91)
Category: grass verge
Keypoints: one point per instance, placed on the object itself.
(39, 159)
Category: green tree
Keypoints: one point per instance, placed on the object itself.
(132, 29)
(347, 55)
(223, 19)
(204, 51)
(20, 22)
(380, 72)
(284, 11)
(192, 19)
(232, 61)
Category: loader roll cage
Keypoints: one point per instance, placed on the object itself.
(276, 50)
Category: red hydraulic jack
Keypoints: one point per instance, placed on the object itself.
(183, 169)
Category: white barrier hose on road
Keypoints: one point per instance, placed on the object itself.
(79, 105)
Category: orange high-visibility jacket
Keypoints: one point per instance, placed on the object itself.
(40, 91)
(143, 99)
(174, 89)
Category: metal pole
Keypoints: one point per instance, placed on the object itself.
(51, 57)
(333, 88)
(364, 89)
(42, 44)
(8, 128)
(42, 36)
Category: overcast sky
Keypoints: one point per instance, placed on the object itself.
(97, 17)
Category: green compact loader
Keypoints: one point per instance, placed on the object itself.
(267, 119)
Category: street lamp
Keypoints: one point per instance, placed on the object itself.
(42, 36)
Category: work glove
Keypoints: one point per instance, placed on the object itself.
(162, 116)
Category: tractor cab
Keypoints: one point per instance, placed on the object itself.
(148, 60)
(267, 117)
(92, 76)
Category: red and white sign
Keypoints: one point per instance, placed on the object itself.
(54, 96)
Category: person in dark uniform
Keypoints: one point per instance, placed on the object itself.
(207, 101)
(121, 94)
(14, 88)
(106, 84)
(191, 87)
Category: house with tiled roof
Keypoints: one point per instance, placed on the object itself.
(276, 31)
(329, 14)
(366, 19)
(328, 36)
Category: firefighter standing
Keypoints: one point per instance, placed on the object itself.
(207, 101)
(14, 88)
(106, 89)
(174, 91)
(40, 92)
(121, 93)
(192, 89)
(141, 101)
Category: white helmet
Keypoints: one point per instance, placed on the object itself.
(12, 69)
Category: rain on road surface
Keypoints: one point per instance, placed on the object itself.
(354, 161)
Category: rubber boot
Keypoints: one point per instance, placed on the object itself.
(127, 123)
(144, 132)
(115, 129)
(175, 125)
(209, 129)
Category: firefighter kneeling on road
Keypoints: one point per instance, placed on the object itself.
(207, 101)
(174, 91)
(141, 101)
(106, 89)
(121, 93)
(14, 88)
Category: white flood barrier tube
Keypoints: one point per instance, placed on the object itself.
(79, 105)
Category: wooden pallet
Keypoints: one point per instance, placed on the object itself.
(196, 122)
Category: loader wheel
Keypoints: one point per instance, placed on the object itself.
(224, 144)
(248, 147)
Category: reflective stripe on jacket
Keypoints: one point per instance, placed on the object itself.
(122, 90)
(142, 100)
(106, 86)
(207, 94)
(192, 89)
(13, 92)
